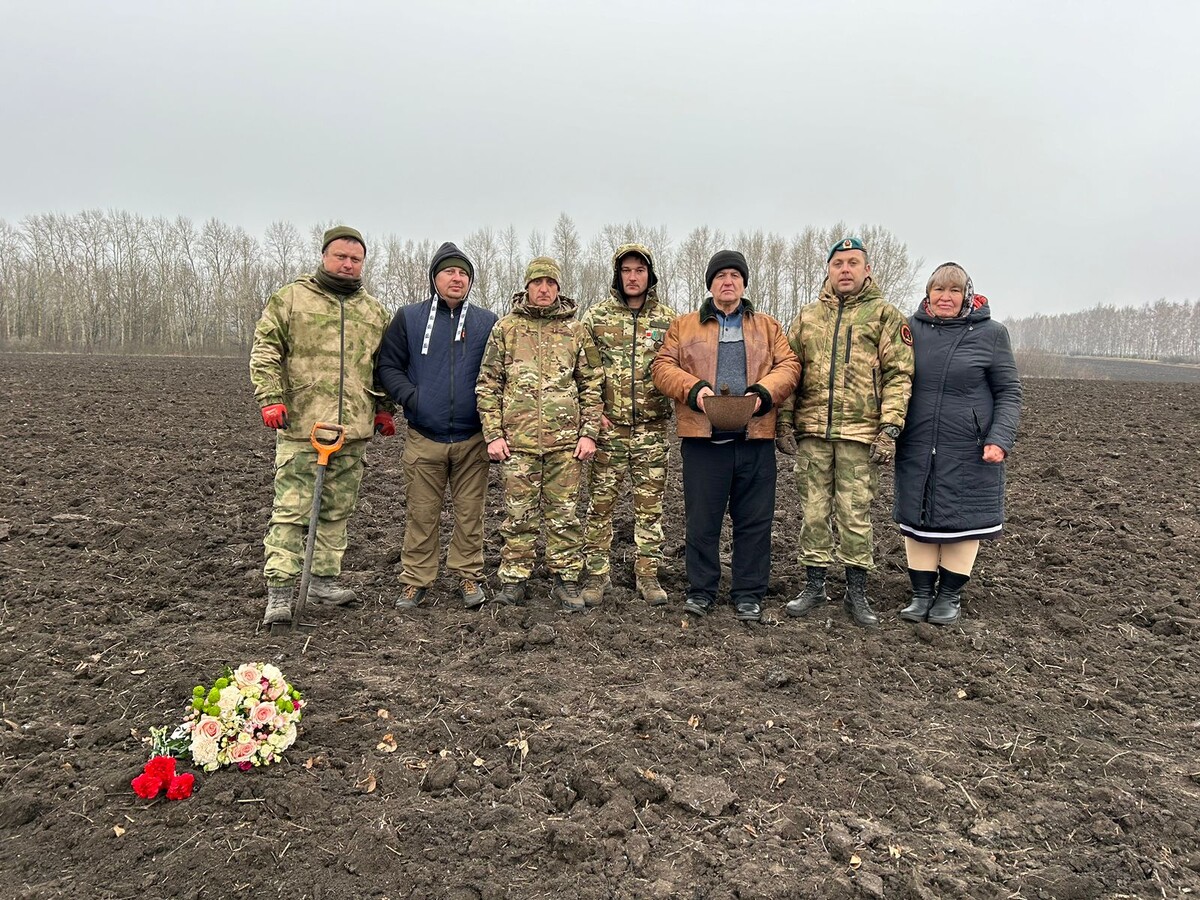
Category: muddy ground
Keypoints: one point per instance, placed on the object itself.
(1045, 748)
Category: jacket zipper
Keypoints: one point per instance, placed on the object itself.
(633, 370)
(837, 327)
(341, 357)
(453, 329)
(541, 369)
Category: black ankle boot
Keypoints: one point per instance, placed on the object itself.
(946, 604)
(813, 594)
(922, 598)
(855, 600)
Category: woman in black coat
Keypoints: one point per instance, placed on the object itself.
(960, 427)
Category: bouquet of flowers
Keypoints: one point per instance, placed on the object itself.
(246, 718)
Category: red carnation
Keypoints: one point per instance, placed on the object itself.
(147, 786)
(181, 786)
(161, 767)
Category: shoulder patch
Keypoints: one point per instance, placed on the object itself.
(906, 334)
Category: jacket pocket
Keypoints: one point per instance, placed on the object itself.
(295, 389)
(978, 430)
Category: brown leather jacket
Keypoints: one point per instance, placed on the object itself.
(687, 362)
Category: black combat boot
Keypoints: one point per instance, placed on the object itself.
(855, 599)
(923, 584)
(946, 604)
(813, 594)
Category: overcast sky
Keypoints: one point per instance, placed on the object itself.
(1048, 147)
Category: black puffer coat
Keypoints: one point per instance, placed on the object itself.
(966, 393)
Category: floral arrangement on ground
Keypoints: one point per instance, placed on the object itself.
(246, 718)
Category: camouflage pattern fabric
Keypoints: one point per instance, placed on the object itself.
(857, 367)
(835, 479)
(543, 267)
(297, 352)
(295, 477)
(627, 341)
(643, 455)
(540, 495)
(540, 381)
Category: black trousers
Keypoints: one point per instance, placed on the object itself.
(738, 476)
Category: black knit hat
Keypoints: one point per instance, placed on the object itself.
(726, 259)
(460, 262)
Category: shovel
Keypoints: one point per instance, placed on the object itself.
(325, 449)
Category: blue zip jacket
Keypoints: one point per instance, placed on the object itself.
(436, 389)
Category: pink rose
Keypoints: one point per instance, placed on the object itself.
(262, 713)
(208, 726)
(242, 752)
(274, 691)
(247, 675)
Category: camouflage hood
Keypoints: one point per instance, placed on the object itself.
(623, 251)
(562, 308)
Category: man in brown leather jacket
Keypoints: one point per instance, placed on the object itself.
(726, 342)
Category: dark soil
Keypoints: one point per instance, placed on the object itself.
(1045, 748)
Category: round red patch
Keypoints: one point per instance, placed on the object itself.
(906, 334)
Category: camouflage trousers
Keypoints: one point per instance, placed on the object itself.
(540, 495)
(836, 480)
(295, 476)
(643, 455)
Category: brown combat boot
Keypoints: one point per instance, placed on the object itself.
(652, 592)
(567, 593)
(279, 605)
(324, 590)
(511, 593)
(594, 588)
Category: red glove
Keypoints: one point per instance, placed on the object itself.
(385, 424)
(275, 416)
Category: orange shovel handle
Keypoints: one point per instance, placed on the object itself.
(326, 449)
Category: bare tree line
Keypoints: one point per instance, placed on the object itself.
(113, 281)
(1163, 330)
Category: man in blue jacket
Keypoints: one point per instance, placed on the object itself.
(429, 363)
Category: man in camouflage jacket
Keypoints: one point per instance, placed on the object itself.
(628, 329)
(313, 360)
(540, 403)
(857, 357)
